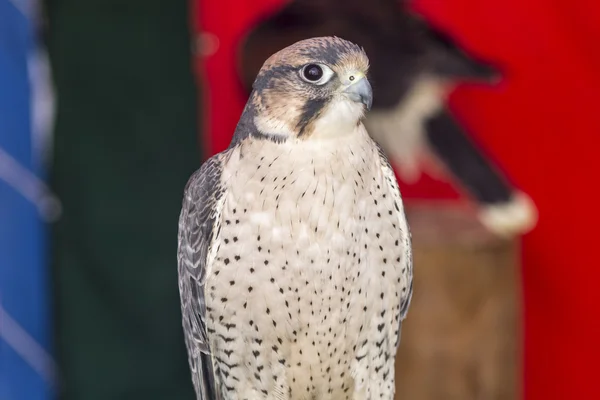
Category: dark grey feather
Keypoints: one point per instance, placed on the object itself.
(199, 224)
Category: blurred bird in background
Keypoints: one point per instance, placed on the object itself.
(414, 68)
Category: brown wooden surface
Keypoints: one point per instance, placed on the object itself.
(461, 339)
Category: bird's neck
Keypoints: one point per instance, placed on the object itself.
(337, 124)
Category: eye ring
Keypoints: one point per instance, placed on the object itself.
(316, 74)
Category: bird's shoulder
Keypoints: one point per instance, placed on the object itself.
(207, 176)
(201, 208)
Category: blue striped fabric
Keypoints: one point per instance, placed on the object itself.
(26, 370)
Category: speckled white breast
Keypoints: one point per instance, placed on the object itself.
(304, 294)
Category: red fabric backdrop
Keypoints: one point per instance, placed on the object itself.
(542, 125)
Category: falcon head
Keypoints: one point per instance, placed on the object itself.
(313, 88)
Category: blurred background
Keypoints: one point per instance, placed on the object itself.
(488, 111)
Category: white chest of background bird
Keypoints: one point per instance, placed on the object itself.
(294, 252)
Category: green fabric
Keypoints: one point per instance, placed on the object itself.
(125, 144)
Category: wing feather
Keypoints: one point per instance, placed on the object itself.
(199, 226)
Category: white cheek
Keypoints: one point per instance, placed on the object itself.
(273, 126)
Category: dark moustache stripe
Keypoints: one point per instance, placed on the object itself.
(310, 111)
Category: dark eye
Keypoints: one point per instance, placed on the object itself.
(317, 74)
(312, 72)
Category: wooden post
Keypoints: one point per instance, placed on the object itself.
(462, 337)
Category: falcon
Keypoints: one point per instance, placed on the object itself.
(294, 254)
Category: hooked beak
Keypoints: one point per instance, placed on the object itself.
(360, 92)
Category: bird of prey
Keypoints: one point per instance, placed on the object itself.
(294, 257)
(414, 68)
